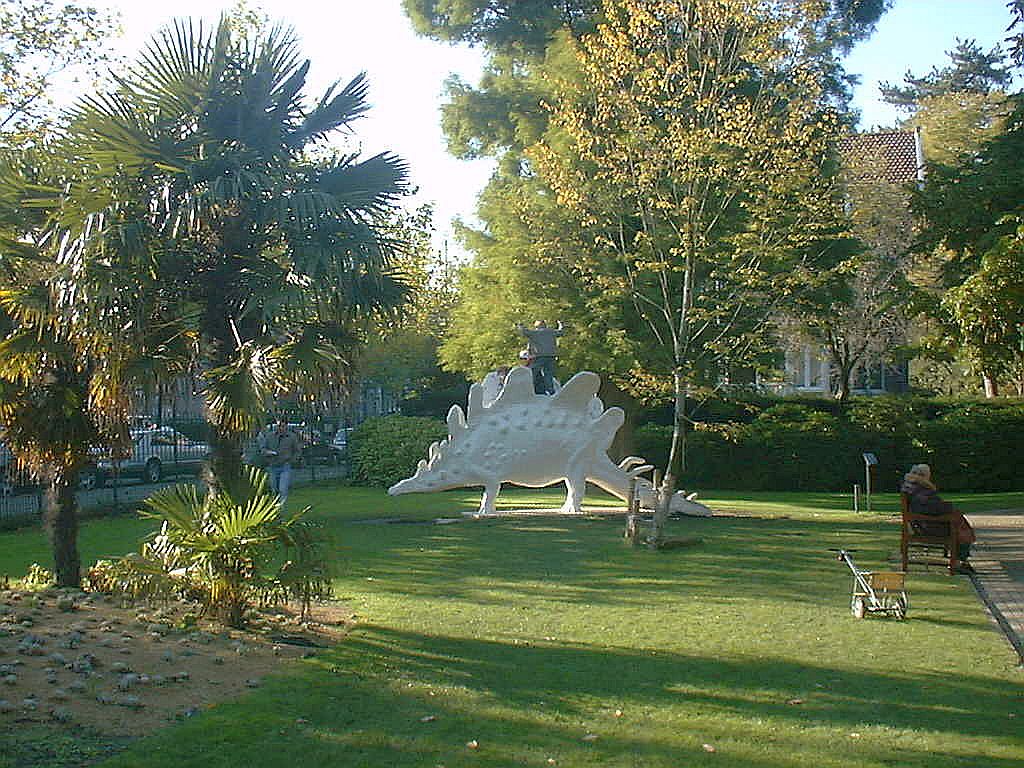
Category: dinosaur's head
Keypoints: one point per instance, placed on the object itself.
(432, 475)
(682, 503)
(424, 482)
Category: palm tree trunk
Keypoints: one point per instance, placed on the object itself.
(223, 471)
(60, 519)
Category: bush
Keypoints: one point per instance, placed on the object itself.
(230, 550)
(385, 450)
(796, 446)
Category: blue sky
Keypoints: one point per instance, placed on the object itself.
(407, 73)
(915, 35)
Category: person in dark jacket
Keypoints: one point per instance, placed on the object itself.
(542, 343)
(925, 500)
(280, 447)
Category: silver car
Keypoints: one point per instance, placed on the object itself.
(156, 452)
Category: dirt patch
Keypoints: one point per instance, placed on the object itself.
(70, 659)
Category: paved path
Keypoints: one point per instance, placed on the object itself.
(998, 559)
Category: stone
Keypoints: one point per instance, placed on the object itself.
(131, 702)
(10, 679)
(83, 664)
(77, 686)
(58, 658)
(217, 660)
(6, 706)
(168, 656)
(104, 698)
(126, 682)
(61, 714)
(65, 604)
(252, 683)
(30, 704)
(120, 667)
(71, 640)
(58, 694)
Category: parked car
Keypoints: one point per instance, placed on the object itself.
(339, 445)
(155, 450)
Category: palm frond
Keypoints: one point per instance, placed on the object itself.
(179, 505)
(372, 186)
(334, 112)
(237, 393)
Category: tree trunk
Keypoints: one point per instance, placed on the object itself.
(60, 519)
(676, 457)
(990, 384)
(223, 471)
(842, 393)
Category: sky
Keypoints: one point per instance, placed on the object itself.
(407, 73)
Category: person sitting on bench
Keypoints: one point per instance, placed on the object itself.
(924, 499)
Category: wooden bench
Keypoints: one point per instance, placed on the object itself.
(928, 539)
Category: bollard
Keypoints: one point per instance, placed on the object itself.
(856, 497)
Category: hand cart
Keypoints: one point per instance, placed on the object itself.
(876, 591)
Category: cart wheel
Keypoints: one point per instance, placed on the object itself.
(858, 608)
(901, 608)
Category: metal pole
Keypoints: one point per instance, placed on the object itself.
(867, 487)
(856, 497)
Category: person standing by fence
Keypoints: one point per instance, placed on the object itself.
(279, 445)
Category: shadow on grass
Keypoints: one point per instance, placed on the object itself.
(399, 698)
(580, 560)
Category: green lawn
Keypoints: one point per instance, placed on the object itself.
(547, 638)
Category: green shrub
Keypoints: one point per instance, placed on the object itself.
(974, 447)
(385, 450)
(797, 446)
(230, 550)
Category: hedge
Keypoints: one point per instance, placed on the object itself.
(785, 447)
(970, 446)
(385, 450)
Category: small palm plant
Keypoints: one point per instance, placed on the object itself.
(228, 549)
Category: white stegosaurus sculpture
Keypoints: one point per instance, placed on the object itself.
(536, 440)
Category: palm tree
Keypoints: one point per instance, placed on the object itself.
(213, 171)
(65, 376)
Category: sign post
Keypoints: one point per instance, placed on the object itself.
(870, 462)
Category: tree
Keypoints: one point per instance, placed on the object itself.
(1016, 40)
(692, 151)
(969, 211)
(988, 310)
(971, 70)
(531, 49)
(857, 310)
(209, 165)
(66, 377)
(401, 350)
(41, 40)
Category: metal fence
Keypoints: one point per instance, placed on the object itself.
(168, 453)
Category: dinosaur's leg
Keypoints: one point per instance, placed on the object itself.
(575, 485)
(491, 489)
